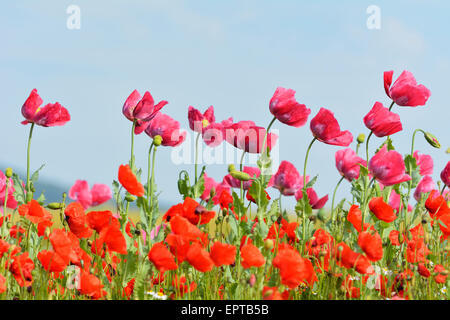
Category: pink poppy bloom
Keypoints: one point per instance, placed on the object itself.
(313, 199)
(325, 128)
(141, 109)
(425, 163)
(51, 115)
(166, 127)
(198, 121)
(445, 175)
(382, 122)
(245, 135)
(213, 132)
(100, 193)
(286, 109)
(235, 183)
(425, 185)
(210, 184)
(405, 91)
(220, 188)
(395, 202)
(11, 201)
(347, 163)
(388, 167)
(287, 179)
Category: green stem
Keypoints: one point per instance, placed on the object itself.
(334, 195)
(152, 182)
(392, 105)
(367, 148)
(366, 191)
(267, 133)
(443, 188)
(28, 157)
(149, 170)
(132, 145)
(196, 156)
(304, 191)
(240, 169)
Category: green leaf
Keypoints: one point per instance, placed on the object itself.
(35, 175)
(311, 183)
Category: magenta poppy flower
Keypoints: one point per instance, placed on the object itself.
(425, 185)
(313, 199)
(287, 110)
(445, 175)
(235, 183)
(347, 163)
(141, 109)
(325, 128)
(51, 115)
(245, 135)
(213, 133)
(382, 122)
(100, 193)
(209, 184)
(395, 201)
(287, 179)
(221, 187)
(425, 163)
(388, 167)
(166, 127)
(198, 121)
(11, 201)
(405, 91)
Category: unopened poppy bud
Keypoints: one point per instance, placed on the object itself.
(212, 193)
(361, 138)
(239, 175)
(54, 205)
(432, 140)
(231, 168)
(8, 172)
(252, 280)
(157, 140)
(130, 198)
(29, 196)
(47, 232)
(268, 244)
(448, 150)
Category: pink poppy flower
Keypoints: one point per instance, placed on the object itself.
(347, 163)
(425, 185)
(287, 179)
(425, 163)
(235, 183)
(213, 132)
(445, 175)
(220, 188)
(100, 193)
(51, 115)
(382, 122)
(388, 167)
(198, 121)
(141, 109)
(286, 109)
(11, 201)
(313, 199)
(395, 202)
(166, 127)
(210, 184)
(245, 135)
(325, 128)
(405, 91)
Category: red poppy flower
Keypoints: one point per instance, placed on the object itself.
(182, 226)
(405, 91)
(354, 216)
(161, 257)
(382, 122)
(51, 261)
(417, 250)
(325, 128)
(63, 245)
(423, 270)
(442, 274)
(2, 284)
(98, 220)
(251, 256)
(129, 181)
(76, 218)
(382, 210)
(113, 238)
(287, 110)
(370, 242)
(52, 114)
(34, 212)
(21, 268)
(394, 237)
(182, 287)
(91, 286)
(351, 259)
(179, 246)
(199, 258)
(434, 203)
(271, 293)
(195, 213)
(223, 253)
(294, 269)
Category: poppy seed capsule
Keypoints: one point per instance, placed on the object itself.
(268, 244)
(130, 198)
(361, 138)
(239, 175)
(8, 172)
(157, 140)
(231, 168)
(54, 205)
(432, 140)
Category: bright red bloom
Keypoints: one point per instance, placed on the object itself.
(113, 238)
(161, 257)
(199, 258)
(34, 212)
(388, 167)
(394, 237)
(182, 226)
(287, 110)
(354, 216)
(21, 268)
(222, 253)
(442, 274)
(271, 293)
(423, 270)
(321, 246)
(325, 128)
(2, 284)
(181, 287)
(294, 269)
(191, 210)
(100, 193)
(382, 122)
(382, 210)
(351, 259)
(91, 286)
(348, 163)
(179, 246)
(425, 163)
(52, 114)
(251, 256)
(434, 203)
(417, 250)
(141, 110)
(130, 182)
(246, 135)
(98, 220)
(370, 242)
(63, 245)
(166, 127)
(405, 91)
(76, 218)
(51, 261)
(445, 175)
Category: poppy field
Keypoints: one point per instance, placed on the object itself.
(388, 239)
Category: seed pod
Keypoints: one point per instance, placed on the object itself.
(130, 198)
(8, 172)
(54, 205)
(361, 138)
(157, 140)
(239, 175)
(231, 168)
(268, 244)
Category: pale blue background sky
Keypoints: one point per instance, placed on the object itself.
(230, 54)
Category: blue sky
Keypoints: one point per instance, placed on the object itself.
(230, 54)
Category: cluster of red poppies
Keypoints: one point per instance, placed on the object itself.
(230, 239)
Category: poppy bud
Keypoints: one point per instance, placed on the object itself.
(268, 293)
(157, 140)
(239, 175)
(29, 196)
(47, 232)
(361, 138)
(432, 140)
(448, 150)
(54, 205)
(9, 225)
(268, 244)
(8, 172)
(252, 280)
(130, 198)
(322, 215)
(231, 168)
